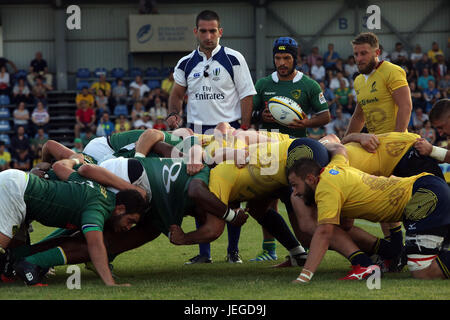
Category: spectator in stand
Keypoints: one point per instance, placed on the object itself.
(418, 119)
(5, 62)
(39, 68)
(440, 67)
(428, 132)
(39, 118)
(330, 57)
(398, 51)
(5, 157)
(335, 81)
(119, 92)
(431, 95)
(417, 54)
(159, 109)
(416, 96)
(144, 123)
(404, 63)
(20, 150)
(424, 79)
(138, 111)
(105, 126)
(88, 136)
(167, 85)
(86, 96)
(21, 92)
(138, 88)
(434, 51)
(122, 124)
(40, 89)
(303, 66)
(384, 55)
(330, 97)
(350, 68)
(313, 56)
(101, 103)
(77, 145)
(39, 140)
(101, 84)
(5, 84)
(339, 66)
(318, 70)
(444, 86)
(85, 118)
(160, 124)
(423, 63)
(21, 116)
(341, 122)
(344, 97)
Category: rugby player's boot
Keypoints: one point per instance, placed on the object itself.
(266, 255)
(199, 259)
(233, 257)
(7, 273)
(360, 273)
(30, 273)
(296, 260)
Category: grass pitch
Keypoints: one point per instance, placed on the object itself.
(156, 271)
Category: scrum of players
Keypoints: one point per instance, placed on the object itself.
(124, 190)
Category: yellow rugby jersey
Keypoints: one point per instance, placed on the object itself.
(347, 192)
(275, 135)
(392, 148)
(374, 95)
(265, 173)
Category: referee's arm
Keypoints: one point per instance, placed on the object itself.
(175, 105)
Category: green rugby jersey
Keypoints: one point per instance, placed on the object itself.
(169, 183)
(75, 204)
(302, 89)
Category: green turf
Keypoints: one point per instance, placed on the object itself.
(157, 271)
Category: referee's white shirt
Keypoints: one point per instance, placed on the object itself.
(215, 98)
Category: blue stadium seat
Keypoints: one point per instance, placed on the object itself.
(5, 138)
(21, 74)
(83, 83)
(4, 113)
(121, 109)
(152, 84)
(99, 71)
(152, 72)
(135, 72)
(165, 71)
(83, 73)
(4, 125)
(117, 73)
(4, 100)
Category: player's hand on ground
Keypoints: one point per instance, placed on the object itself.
(369, 142)
(423, 147)
(241, 217)
(267, 116)
(176, 234)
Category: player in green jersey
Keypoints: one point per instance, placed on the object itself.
(288, 82)
(74, 204)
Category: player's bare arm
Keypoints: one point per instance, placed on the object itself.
(246, 111)
(427, 149)
(357, 121)
(402, 98)
(368, 141)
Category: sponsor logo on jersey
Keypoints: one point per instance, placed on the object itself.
(216, 73)
(197, 75)
(322, 98)
(270, 92)
(374, 89)
(333, 172)
(209, 96)
(296, 93)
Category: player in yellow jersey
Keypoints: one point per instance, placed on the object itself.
(342, 192)
(383, 96)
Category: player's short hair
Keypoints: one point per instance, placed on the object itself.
(207, 15)
(132, 200)
(366, 37)
(440, 109)
(305, 166)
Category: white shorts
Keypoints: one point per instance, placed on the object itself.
(99, 149)
(12, 205)
(119, 166)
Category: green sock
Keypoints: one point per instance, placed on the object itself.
(49, 258)
(269, 244)
(21, 252)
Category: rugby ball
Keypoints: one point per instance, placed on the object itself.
(284, 110)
